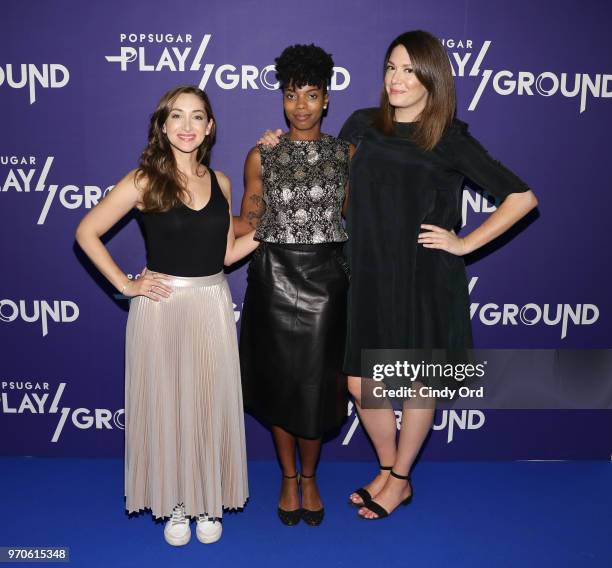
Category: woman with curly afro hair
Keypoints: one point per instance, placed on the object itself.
(293, 322)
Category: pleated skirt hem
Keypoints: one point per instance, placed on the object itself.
(184, 437)
(189, 513)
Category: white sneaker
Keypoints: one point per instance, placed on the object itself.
(208, 530)
(177, 531)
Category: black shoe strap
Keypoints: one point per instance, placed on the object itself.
(398, 476)
(377, 509)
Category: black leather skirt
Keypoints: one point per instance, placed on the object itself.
(292, 337)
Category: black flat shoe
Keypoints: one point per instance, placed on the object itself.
(290, 518)
(312, 518)
(364, 493)
(379, 509)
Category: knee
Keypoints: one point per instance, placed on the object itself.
(354, 387)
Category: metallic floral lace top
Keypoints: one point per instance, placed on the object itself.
(303, 191)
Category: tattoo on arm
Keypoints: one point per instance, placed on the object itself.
(256, 211)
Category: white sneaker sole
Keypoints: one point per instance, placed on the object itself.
(209, 539)
(177, 541)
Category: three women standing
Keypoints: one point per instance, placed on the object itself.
(185, 449)
(185, 452)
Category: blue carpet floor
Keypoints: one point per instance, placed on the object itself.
(494, 514)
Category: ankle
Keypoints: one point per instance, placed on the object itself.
(401, 484)
(400, 475)
(293, 475)
(383, 474)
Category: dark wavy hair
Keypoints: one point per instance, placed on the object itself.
(300, 65)
(164, 187)
(432, 68)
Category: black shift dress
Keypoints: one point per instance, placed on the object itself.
(403, 295)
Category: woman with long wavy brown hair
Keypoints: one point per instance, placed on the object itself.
(185, 449)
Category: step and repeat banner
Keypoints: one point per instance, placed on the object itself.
(78, 82)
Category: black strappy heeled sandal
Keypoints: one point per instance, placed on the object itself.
(290, 518)
(380, 510)
(364, 493)
(312, 518)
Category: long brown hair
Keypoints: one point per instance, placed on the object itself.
(164, 186)
(432, 68)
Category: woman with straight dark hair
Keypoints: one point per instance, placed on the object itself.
(184, 434)
(409, 287)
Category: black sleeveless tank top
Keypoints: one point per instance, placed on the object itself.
(185, 241)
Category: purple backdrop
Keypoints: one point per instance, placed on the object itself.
(79, 81)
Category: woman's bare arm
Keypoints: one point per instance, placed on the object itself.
(253, 206)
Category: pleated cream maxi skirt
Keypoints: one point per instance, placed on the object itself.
(184, 421)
